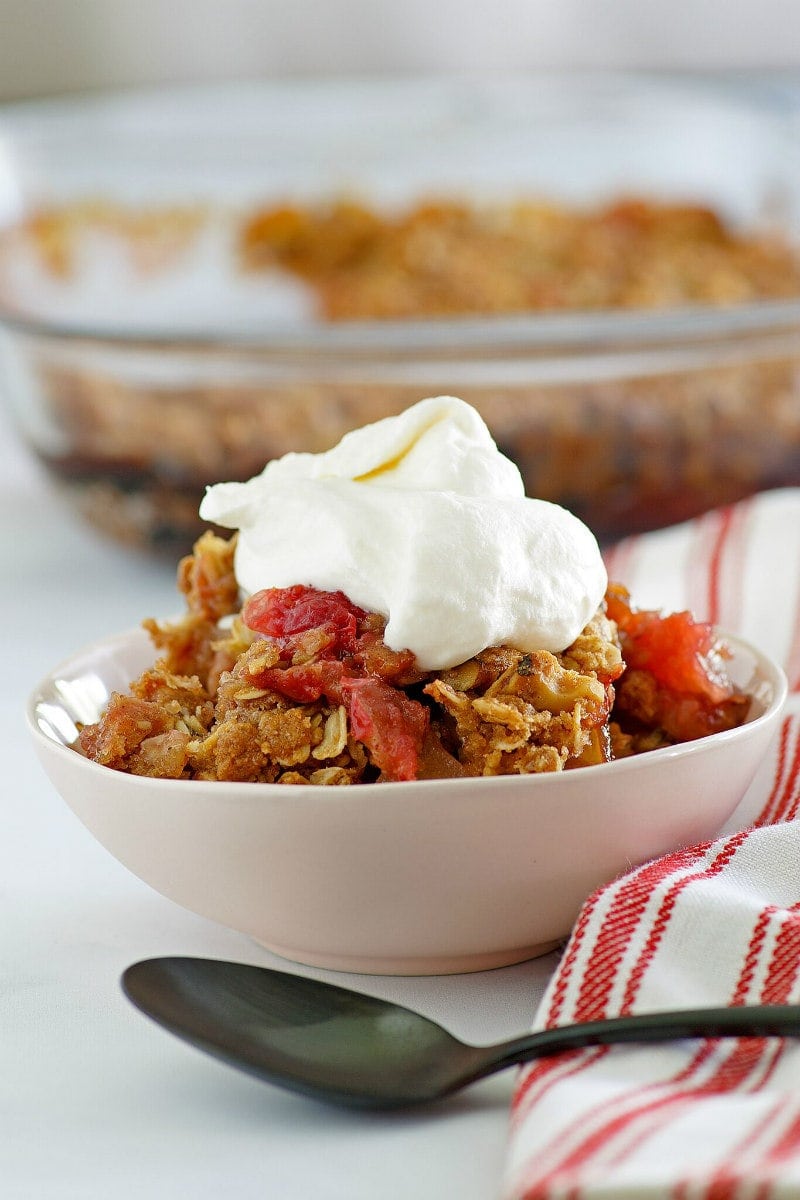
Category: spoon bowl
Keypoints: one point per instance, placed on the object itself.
(345, 1048)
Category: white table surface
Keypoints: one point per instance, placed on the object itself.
(97, 1103)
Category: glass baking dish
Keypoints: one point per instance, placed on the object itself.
(142, 361)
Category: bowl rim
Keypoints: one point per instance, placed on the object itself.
(769, 671)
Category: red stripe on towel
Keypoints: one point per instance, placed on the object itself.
(723, 1183)
(731, 1074)
(716, 566)
(766, 816)
(625, 914)
(788, 802)
(573, 952)
(648, 1113)
(784, 1148)
(785, 961)
(668, 904)
(751, 1053)
(539, 1079)
(603, 1110)
(760, 1053)
(758, 940)
(704, 562)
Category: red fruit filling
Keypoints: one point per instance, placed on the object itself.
(674, 671)
(350, 666)
(283, 613)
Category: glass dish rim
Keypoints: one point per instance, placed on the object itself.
(473, 336)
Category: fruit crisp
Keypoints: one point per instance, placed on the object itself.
(298, 687)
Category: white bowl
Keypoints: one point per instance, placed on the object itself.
(404, 878)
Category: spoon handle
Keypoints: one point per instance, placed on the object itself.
(768, 1020)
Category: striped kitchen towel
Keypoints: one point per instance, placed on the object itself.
(713, 924)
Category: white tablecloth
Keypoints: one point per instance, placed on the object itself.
(97, 1103)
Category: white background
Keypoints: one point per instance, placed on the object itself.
(50, 46)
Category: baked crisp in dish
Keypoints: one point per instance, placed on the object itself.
(646, 435)
(297, 686)
(448, 258)
(445, 257)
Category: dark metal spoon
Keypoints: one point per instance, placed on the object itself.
(349, 1049)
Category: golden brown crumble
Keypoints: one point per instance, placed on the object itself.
(446, 258)
(203, 711)
(227, 702)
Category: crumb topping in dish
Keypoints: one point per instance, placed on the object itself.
(448, 258)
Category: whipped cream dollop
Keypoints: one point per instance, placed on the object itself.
(419, 517)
